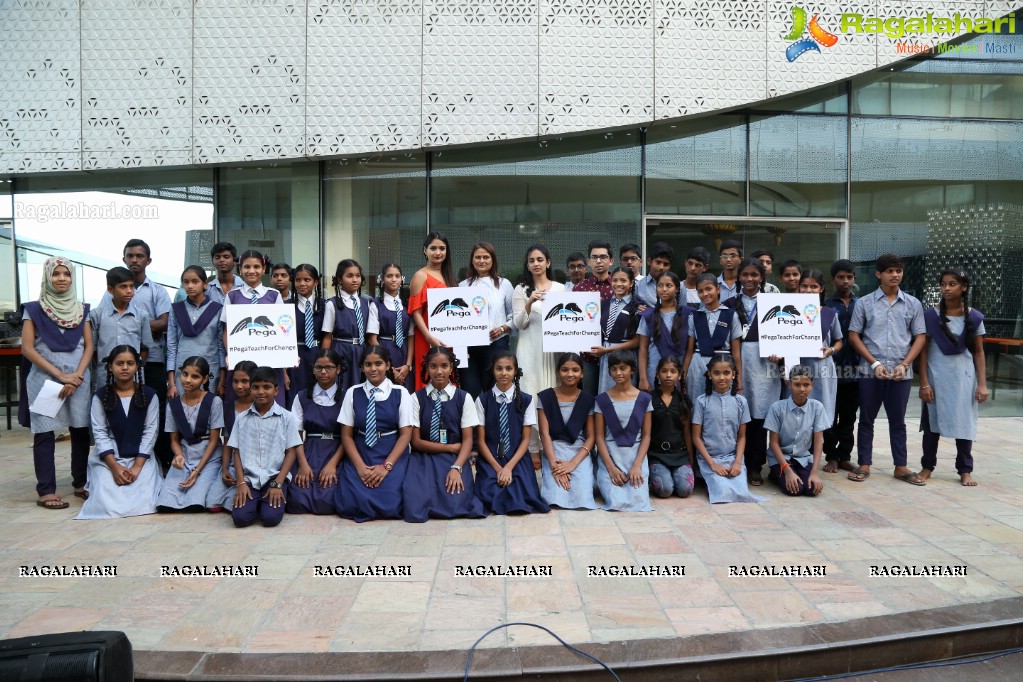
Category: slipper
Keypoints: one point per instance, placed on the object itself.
(52, 503)
(912, 479)
(859, 475)
(754, 478)
(83, 494)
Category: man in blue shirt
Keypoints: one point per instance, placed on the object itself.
(838, 440)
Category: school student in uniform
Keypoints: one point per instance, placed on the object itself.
(672, 464)
(485, 276)
(282, 279)
(619, 318)
(696, 265)
(565, 421)
(309, 310)
(791, 271)
(117, 321)
(253, 266)
(954, 375)
(123, 479)
(761, 380)
(719, 421)
(225, 259)
(391, 327)
(56, 338)
(663, 329)
(505, 477)
(839, 438)
(825, 378)
(797, 425)
(316, 409)
(345, 318)
(195, 418)
(438, 482)
(376, 427)
(730, 255)
(713, 329)
(658, 262)
(194, 330)
(766, 259)
(263, 443)
(887, 329)
(241, 389)
(622, 425)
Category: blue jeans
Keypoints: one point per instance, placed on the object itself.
(665, 480)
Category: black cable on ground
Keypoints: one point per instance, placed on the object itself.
(565, 644)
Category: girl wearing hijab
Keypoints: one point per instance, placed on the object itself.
(56, 338)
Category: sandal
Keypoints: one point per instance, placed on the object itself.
(754, 478)
(82, 494)
(912, 478)
(52, 503)
(859, 475)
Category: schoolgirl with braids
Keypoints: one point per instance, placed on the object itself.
(346, 318)
(824, 374)
(438, 482)
(376, 426)
(391, 326)
(505, 478)
(663, 329)
(951, 405)
(719, 423)
(307, 295)
(622, 426)
(761, 377)
(316, 410)
(125, 420)
(565, 416)
(713, 329)
(194, 419)
(619, 318)
(241, 389)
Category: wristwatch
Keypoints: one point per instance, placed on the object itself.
(457, 467)
(388, 465)
(275, 484)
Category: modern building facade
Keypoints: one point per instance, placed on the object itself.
(324, 130)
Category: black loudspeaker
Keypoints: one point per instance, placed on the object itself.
(67, 657)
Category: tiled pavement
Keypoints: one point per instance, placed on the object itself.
(286, 608)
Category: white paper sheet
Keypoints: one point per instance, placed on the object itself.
(48, 402)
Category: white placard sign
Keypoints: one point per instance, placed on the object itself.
(571, 321)
(789, 326)
(264, 334)
(459, 316)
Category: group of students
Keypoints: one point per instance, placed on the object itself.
(382, 423)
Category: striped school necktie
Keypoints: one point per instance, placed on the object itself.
(310, 337)
(371, 418)
(399, 325)
(502, 399)
(435, 418)
(255, 297)
(358, 319)
(616, 307)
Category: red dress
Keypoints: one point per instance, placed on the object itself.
(420, 345)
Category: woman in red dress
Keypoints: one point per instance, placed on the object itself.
(435, 274)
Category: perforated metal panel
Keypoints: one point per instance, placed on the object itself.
(364, 76)
(249, 80)
(40, 114)
(146, 49)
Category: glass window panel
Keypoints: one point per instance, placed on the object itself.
(89, 217)
(375, 212)
(944, 88)
(831, 99)
(697, 167)
(798, 166)
(275, 211)
(560, 192)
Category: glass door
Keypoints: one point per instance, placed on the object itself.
(814, 243)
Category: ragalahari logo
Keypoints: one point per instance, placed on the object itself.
(818, 36)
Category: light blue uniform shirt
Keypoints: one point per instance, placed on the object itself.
(887, 330)
(155, 301)
(728, 292)
(261, 440)
(795, 427)
(209, 343)
(721, 414)
(214, 292)
(646, 290)
(111, 329)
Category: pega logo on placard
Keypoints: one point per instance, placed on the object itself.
(455, 307)
(261, 326)
(570, 312)
(784, 314)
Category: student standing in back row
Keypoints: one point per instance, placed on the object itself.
(601, 263)
(887, 330)
(838, 440)
(658, 262)
(118, 321)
